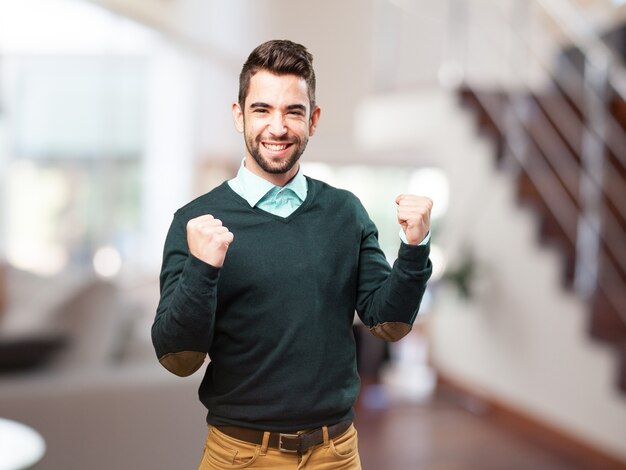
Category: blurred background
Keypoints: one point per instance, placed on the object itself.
(509, 114)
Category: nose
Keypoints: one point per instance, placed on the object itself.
(277, 125)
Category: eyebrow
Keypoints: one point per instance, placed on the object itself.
(259, 105)
(291, 107)
(298, 107)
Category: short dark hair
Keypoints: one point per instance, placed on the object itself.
(281, 57)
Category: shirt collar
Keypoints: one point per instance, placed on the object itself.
(253, 188)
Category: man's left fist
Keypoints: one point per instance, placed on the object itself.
(414, 216)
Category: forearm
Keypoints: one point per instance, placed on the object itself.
(390, 309)
(183, 328)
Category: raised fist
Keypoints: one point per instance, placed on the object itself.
(208, 239)
(414, 216)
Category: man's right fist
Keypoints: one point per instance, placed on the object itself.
(208, 239)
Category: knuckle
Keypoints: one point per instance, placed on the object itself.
(199, 221)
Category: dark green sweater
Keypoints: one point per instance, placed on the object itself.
(276, 319)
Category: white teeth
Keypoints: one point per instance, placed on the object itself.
(274, 147)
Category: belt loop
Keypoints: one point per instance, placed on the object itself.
(265, 443)
(325, 434)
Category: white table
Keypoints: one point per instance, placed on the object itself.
(21, 446)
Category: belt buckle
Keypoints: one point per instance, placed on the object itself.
(288, 436)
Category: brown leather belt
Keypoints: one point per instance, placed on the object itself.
(286, 442)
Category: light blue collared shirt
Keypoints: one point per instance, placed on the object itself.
(277, 200)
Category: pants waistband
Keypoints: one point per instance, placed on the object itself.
(297, 442)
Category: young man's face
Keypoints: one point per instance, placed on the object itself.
(277, 122)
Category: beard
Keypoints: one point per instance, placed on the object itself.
(283, 165)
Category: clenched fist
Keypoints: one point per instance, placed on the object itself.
(208, 239)
(414, 216)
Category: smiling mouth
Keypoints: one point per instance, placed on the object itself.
(276, 147)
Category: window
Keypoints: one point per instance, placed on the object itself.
(72, 117)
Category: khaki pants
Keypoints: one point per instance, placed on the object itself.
(223, 452)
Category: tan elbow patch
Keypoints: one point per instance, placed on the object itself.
(183, 363)
(391, 331)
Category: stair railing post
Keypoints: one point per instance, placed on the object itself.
(517, 109)
(593, 155)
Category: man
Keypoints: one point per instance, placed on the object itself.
(264, 273)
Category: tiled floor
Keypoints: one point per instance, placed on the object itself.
(444, 435)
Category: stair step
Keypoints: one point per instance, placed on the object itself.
(551, 231)
(618, 109)
(489, 107)
(606, 324)
(621, 381)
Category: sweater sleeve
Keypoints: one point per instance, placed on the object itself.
(388, 300)
(183, 327)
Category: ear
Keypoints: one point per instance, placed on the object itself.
(238, 116)
(315, 117)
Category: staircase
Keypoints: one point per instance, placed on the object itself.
(544, 148)
(520, 340)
